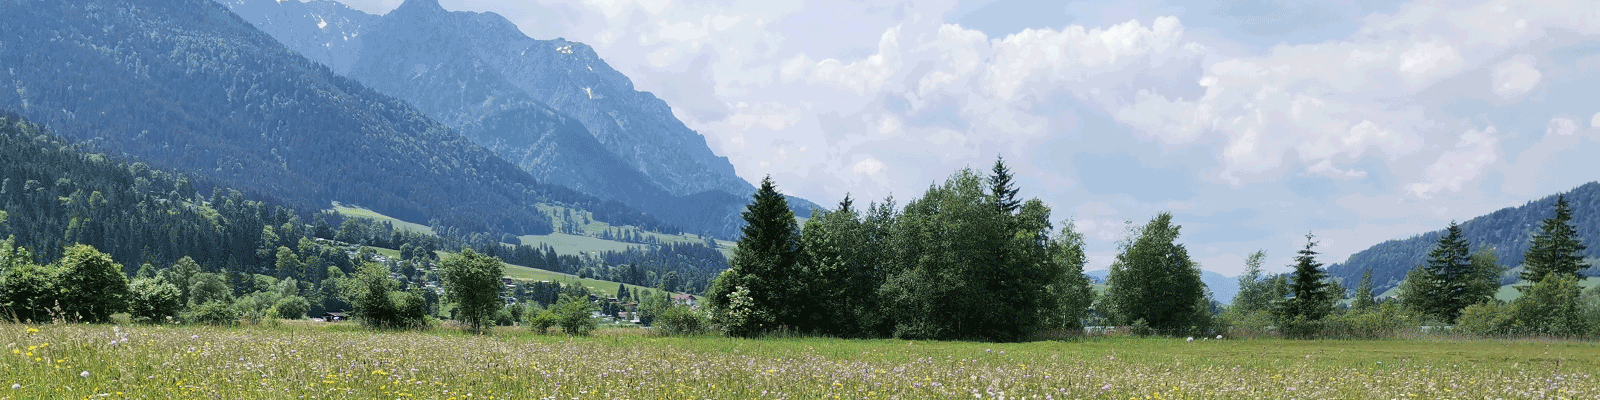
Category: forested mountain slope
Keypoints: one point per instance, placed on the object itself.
(553, 107)
(1507, 230)
(187, 84)
(55, 194)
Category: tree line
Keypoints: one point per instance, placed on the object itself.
(1454, 288)
(969, 260)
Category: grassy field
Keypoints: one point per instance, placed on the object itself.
(337, 361)
(607, 288)
(562, 243)
(358, 212)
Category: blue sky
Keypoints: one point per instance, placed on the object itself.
(1253, 122)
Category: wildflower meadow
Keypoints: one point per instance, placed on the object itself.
(302, 360)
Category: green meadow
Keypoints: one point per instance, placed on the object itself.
(296, 359)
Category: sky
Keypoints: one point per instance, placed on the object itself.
(1254, 122)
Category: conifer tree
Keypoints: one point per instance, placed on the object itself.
(1363, 299)
(1312, 300)
(764, 264)
(1449, 268)
(1002, 187)
(1556, 249)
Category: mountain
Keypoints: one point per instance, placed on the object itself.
(552, 107)
(1507, 230)
(188, 85)
(1223, 288)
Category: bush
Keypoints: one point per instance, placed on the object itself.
(573, 314)
(1141, 328)
(1255, 323)
(28, 292)
(292, 307)
(91, 285)
(541, 321)
(1299, 327)
(1549, 307)
(154, 301)
(213, 313)
(503, 317)
(1383, 322)
(681, 320)
(1486, 319)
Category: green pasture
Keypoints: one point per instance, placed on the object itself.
(340, 360)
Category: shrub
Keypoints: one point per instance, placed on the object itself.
(1383, 322)
(153, 301)
(1298, 327)
(681, 320)
(1255, 323)
(573, 314)
(292, 307)
(503, 317)
(1549, 307)
(1141, 328)
(1490, 318)
(92, 286)
(541, 321)
(213, 313)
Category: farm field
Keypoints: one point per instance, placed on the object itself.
(299, 359)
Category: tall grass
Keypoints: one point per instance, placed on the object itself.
(328, 361)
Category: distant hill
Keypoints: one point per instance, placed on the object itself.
(552, 107)
(1507, 230)
(1223, 288)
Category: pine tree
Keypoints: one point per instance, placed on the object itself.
(1363, 299)
(1556, 249)
(1311, 301)
(1002, 187)
(764, 264)
(1449, 268)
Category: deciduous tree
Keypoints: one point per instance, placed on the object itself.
(473, 282)
(1154, 281)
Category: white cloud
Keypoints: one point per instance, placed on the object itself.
(1561, 126)
(868, 166)
(1515, 77)
(877, 97)
(1472, 153)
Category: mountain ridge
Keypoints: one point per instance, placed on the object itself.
(479, 74)
(187, 84)
(1507, 230)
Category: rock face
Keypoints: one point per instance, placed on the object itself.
(552, 107)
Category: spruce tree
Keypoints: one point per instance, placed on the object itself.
(1556, 249)
(1449, 268)
(1363, 299)
(764, 264)
(1002, 187)
(1312, 300)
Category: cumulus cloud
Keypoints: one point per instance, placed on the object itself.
(1475, 150)
(1515, 77)
(897, 98)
